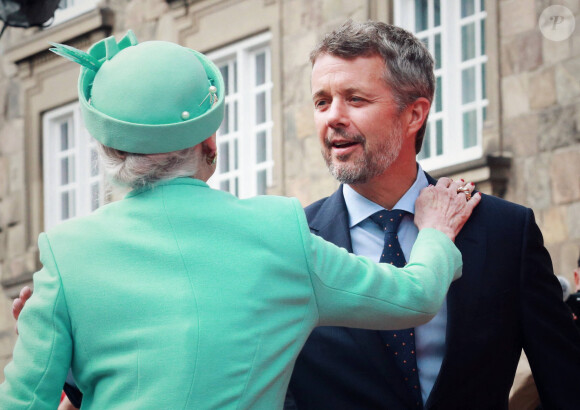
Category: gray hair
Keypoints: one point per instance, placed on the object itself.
(129, 170)
(408, 63)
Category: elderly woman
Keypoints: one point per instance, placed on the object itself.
(181, 296)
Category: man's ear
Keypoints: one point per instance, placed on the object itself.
(416, 114)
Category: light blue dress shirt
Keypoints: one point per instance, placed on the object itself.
(368, 240)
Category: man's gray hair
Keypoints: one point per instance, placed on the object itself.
(129, 170)
(409, 65)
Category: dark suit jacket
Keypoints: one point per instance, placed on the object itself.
(507, 299)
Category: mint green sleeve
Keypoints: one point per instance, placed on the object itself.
(42, 354)
(354, 291)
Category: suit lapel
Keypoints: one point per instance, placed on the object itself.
(331, 221)
(461, 305)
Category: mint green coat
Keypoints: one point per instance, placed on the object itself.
(184, 297)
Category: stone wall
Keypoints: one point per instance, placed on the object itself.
(540, 88)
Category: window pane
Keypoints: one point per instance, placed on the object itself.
(421, 16)
(439, 126)
(482, 50)
(482, 5)
(236, 186)
(468, 42)
(67, 170)
(64, 209)
(438, 96)
(484, 113)
(261, 147)
(260, 108)
(224, 69)
(261, 182)
(425, 41)
(94, 163)
(437, 9)
(224, 157)
(236, 154)
(260, 68)
(483, 82)
(467, 7)
(469, 129)
(64, 176)
(225, 185)
(438, 58)
(426, 149)
(64, 137)
(67, 205)
(235, 116)
(235, 77)
(94, 196)
(225, 127)
(468, 85)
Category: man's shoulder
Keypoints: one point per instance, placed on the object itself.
(501, 207)
(313, 209)
(499, 218)
(325, 208)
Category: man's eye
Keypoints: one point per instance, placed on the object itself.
(356, 99)
(318, 104)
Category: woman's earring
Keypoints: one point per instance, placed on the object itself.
(211, 159)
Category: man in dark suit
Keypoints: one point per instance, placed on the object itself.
(372, 87)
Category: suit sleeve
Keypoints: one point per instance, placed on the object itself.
(353, 291)
(550, 338)
(42, 354)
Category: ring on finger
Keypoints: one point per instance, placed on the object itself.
(465, 191)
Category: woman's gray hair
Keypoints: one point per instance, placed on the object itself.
(408, 63)
(129, 170)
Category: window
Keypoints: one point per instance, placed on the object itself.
(73, 184)
(68, 9)
(455, 35)
(244, 138)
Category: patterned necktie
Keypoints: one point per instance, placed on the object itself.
(400, 343)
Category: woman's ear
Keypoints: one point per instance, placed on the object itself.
(209, 146)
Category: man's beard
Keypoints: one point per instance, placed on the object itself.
(373, 162)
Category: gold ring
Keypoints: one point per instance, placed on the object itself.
(465, 191)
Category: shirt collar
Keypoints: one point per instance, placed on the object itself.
(360, 208)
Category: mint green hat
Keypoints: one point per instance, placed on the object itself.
(147, 98)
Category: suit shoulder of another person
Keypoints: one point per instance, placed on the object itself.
(492, 205)
(500, 217)
(314, 207)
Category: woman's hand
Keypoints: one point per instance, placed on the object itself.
(446, 206)
(19, 303)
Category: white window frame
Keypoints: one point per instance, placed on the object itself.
(243, 54)
(75, 9)
(82, 149)
(451, 77)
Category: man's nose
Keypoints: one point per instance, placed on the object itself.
(337, 115)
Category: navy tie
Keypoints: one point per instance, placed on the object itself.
(400, 343)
